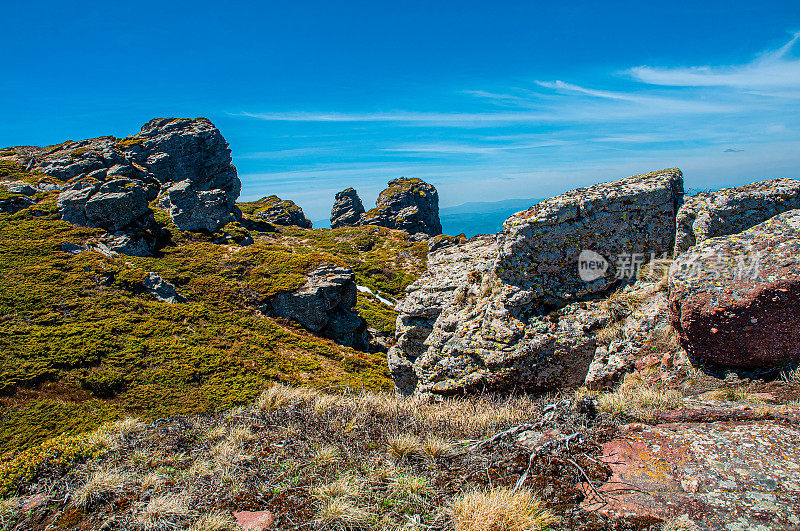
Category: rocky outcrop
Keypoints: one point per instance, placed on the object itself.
(510, 310)
(411, 205)
(277, 211)
(734, 300)
(733, 210)
(406, 204)
(347, 209)
(109, 182)
(324, 305)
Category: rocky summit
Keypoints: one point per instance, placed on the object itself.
(511, 310)
(347, 209)
(410, 205)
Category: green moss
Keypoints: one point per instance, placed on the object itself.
(37, 420)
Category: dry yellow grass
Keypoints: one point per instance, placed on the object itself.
(734, 394)
(166, 512)
(635, 396)
(436, 447)
(500, 509)
(99, 485)
(403, 445)
(340, 513)
(215, 521)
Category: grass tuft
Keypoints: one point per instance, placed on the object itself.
(500, 509)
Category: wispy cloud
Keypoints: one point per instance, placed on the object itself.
(775, 69)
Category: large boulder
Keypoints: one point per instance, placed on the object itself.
(196, 210)
(735, 300)
(510, 310)
(277, 211)
(175, 150)
(111, 205)
(324, 305)
(410, 205)
(733, 210)
(347, 209)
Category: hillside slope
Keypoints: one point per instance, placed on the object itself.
(84, 343)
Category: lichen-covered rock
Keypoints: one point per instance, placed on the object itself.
(508, 311)
(174, 150)
(448, 269)
(539, 247)
(347, 209)
(15, 203)
(324, 305)
(733, 210)
(407, 204)
(735, 300)
(193, 209)
(277, 211)
(721, 475)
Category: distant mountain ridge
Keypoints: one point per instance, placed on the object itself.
(480, 217)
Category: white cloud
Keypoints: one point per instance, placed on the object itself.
(774, 69)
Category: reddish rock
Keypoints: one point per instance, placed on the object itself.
(735, 300)
(254, 521)
(722, 475)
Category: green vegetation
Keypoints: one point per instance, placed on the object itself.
(80, 328)
(384, 260)
(267, 203)
(376, 314)
(127, 142)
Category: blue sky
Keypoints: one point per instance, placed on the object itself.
(486, 100)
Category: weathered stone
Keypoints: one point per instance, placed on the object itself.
(539, 247)
(192, 209)
(324, 305)
(411, 205)
(112, 205)
(735, 300)
(254, 520)
(278, 211)
(733, 210)
(407, 204)
(161, 289)
(166, 151)
(505, 311)
(347, 209)
(175, 150)
(728, 476)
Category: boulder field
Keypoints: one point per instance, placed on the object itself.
(513, 310)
